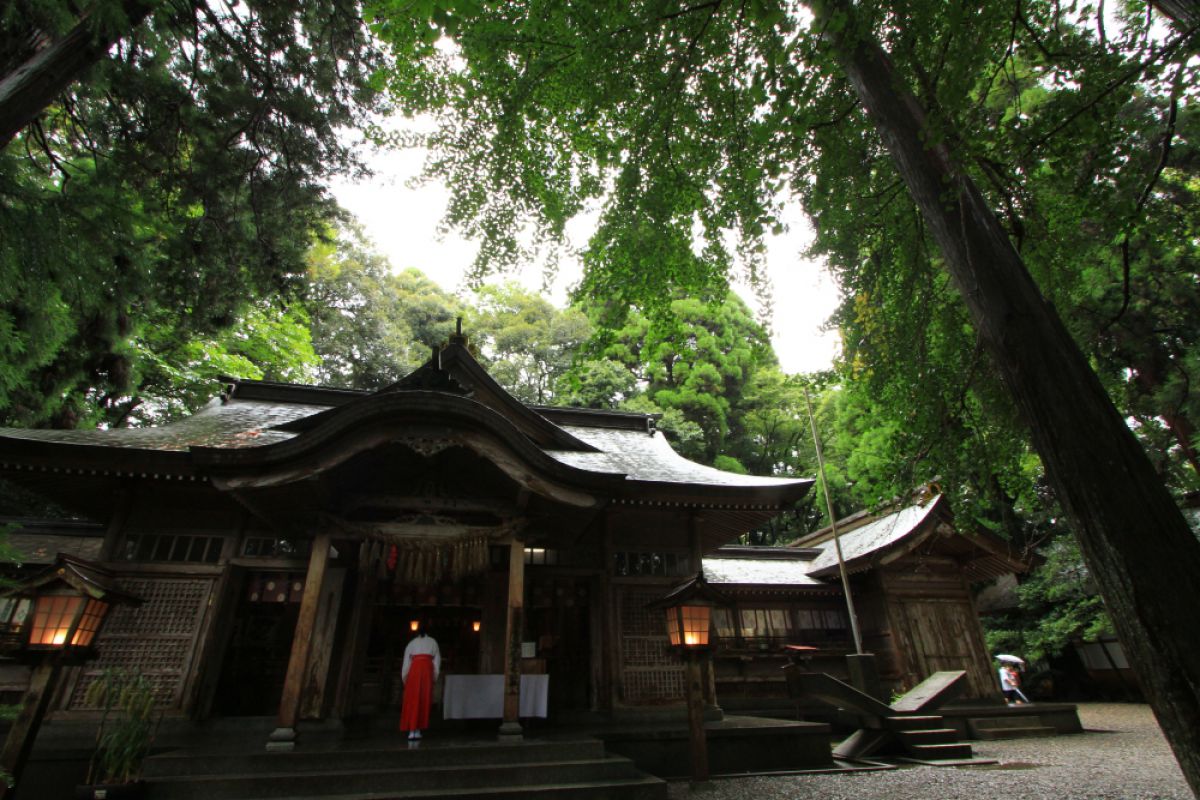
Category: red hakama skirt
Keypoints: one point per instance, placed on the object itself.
(418, 695)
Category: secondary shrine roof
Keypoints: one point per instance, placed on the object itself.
(727, 569)
(867, 541)
(873, 537)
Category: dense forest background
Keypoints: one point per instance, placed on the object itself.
(164, 222)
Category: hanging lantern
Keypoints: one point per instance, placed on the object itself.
(63, 609)
(414, 625)
(475, 626)
(688, 609)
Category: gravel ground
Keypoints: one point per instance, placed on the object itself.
(1122, 755)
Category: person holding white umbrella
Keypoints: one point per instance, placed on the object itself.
(1010, 678)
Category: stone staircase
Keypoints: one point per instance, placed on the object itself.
(991, 728)
(479, 770)
(926, 738)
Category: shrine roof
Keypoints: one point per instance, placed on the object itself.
(625, 444)
(232, 423)
(765, 569)
(38, 542)
(647, 456)
(873, 537)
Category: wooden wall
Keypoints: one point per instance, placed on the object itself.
(933, 624)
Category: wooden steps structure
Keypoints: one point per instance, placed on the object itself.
(444, 769)
(902, 729)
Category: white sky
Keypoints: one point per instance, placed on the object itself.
(402, 221)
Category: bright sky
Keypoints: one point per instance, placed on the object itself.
(403, 220)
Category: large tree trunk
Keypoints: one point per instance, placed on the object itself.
(1134, 538)
(28, 89)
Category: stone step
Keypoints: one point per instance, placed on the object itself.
(928, 736)
(395, 754)
(640, 788)
(938, 752)
(391, 781)
(912, 722)
(1012, 732)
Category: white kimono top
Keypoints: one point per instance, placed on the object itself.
(422, 645)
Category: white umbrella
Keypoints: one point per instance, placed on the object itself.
(1010, 659)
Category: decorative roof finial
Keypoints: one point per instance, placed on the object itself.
(457, 337)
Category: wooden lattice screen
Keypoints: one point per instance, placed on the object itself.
(158, 638)
(650, 672)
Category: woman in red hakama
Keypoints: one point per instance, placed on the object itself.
(422, 663)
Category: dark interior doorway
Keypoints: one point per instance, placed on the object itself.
(260, 644)
(558, 621)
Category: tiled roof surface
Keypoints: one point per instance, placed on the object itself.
(41, 548)
(767, 572)
(234, 424)
(241, 424)
(872, 537)
(647, 456)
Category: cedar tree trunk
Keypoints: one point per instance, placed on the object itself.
(1134, 538)
(27, 90)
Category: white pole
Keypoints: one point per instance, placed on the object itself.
(837, 544)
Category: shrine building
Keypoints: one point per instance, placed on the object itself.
(286, 539)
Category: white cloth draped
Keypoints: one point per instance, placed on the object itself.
(482, 696)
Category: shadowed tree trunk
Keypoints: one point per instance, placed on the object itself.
(34, 84)
(1133, 536)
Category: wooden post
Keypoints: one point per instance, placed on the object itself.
(354, 651)
(313, 701)
(511, 727)
(698, 742)
(284, 736)
(696, 554)
(23, 733)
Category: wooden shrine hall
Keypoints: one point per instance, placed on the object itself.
(285, 540)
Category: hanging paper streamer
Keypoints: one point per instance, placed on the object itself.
(425, 563)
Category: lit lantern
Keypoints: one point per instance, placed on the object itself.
(475, 626)
(688, 610)
(61, 610)
(61, 613)
(52, 620)
(414, 625)
(689, 613)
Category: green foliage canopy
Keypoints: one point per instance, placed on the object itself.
(162, 196)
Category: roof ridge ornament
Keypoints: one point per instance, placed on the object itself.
(458, 337)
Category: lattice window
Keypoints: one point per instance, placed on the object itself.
(172, 547)
(156, 638)
(651, 673)
(650, 563)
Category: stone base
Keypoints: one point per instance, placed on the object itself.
(510, 732)
(281, 740)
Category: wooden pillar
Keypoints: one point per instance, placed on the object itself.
(698, 741)
(610, 653)
(354, 651)
(115, 530)
(24, 730)
(696, 551)
(284, 735)
(313, 700)
(511, 727)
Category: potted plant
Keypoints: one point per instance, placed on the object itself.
(128, 723)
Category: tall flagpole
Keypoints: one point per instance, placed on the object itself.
(837, 544)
